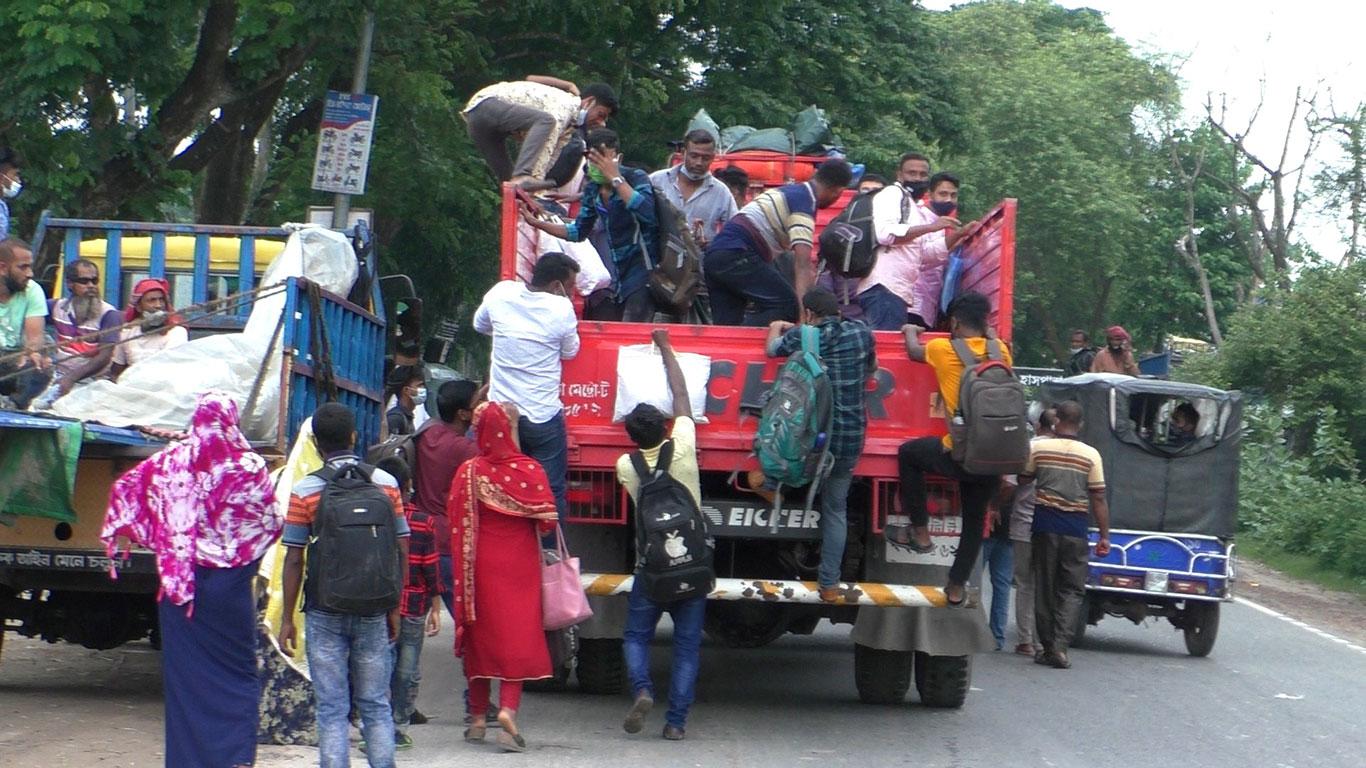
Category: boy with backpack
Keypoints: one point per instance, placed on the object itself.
(350, 517)
(847, 352)
(673, 553)
(990, 424)
(420, 614)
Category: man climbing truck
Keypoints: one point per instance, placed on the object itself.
(766, 567)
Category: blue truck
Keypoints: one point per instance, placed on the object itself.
(54, 572)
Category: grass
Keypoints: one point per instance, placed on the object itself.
(1302, 567)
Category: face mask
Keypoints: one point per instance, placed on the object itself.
(420, 396)
(12, 191)
(1116, 349)
(583, 116)
(942, 207)
(683, 169)
(916, 188)
(153, 320)
(1076, 349)
(595, 173)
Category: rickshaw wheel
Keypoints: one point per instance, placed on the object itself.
(1201, 627)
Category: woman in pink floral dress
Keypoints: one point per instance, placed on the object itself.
(206, 508)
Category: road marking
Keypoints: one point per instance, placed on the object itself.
(1296, 622)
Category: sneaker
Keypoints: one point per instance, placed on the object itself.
(417, 718)
(673, 733)
(402, 740)
(635, 719)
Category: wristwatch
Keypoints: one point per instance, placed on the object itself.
(617, 180)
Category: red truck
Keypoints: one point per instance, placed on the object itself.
(766, 570)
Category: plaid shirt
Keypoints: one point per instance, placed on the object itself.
(850, 358)
(424, 577)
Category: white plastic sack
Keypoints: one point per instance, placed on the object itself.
(641, 379)
(162, 390)
(532, 242)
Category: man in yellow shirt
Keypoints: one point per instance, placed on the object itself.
(968, 320)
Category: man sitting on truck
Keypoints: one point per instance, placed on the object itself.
(534, 329)
(968, 320)
(158, 328)
(740, 263)
(625, 200)
(645, 425)
(24, 367)
(705, 202)
(86, 327)
(846, 348)
(544, 112)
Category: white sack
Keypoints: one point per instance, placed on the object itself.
(162, 390)
(641, 379)
(532, 242)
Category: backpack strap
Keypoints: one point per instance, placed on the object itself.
(965, 353)
(811, 347)
(905, 204)
(994, 350)
(666, 456)
(642, 469)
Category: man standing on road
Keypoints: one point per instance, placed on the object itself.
(968, 320)
(1068, 482)
(24, 367)
(846, 348)
(534, 330)
(86, 327)
(646, 427)
(706, 203)
(1118, 356)
(1021, 539)
(740, 263)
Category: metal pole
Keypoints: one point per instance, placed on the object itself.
(341, 203)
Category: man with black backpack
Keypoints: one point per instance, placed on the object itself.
(847, 351)
(350, 518)
(1000, 438)
(673, 552)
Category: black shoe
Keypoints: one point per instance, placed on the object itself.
(673, 733)
(635, 718)
(417, 718)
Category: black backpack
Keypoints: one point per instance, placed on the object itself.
(990, 428)
(355, 565)
(849, 242)
(674, 554)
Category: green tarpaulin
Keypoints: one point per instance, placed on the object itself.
(38, 471)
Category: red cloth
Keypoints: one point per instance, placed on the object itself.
(440, 452)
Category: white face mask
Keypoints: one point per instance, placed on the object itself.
(13, 188)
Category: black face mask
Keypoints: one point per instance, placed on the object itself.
(916, 188)
(942, 207)
(1115, 349)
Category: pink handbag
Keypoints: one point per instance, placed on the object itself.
(563, 602)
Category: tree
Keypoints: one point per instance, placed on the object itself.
(1342, 185)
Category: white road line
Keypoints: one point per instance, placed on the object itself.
(1296, 622)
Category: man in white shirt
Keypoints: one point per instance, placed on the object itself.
(706, 203)
(159, 328)
(534, 329)
(543, 112)
(912, 237)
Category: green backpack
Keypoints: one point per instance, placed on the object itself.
(792, 443)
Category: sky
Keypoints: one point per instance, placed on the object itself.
(1247, 50)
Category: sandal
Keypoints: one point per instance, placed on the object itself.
(961, 601)
(510, 739)
(475, 734)
(901, 536)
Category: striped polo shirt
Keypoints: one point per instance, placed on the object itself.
(1065, 471)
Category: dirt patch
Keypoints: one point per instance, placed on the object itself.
(1340, 613)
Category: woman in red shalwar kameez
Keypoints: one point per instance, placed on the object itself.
(499, 505)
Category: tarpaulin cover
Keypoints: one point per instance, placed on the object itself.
(1192, 488)
(772, 139)
(811, 132)
(38, 471)
(702, 121)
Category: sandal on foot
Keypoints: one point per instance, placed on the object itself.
(961, 601)
(475, 734)
(902, 536)
(510, 740)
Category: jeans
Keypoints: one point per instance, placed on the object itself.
(639, 307)
(1060, 566)
(407, 652)
(917, 457)
(493, 121)
(447, 571)
(643, 614)
(834, 520)
(998, 557)
(1024, 591)
(548, 443)
(735, 278)
(882, 309)
(21, 384)
(350, 649)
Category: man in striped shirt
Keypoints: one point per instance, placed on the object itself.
(1069, 482)
(740, 266)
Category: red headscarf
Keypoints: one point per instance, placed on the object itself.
(141, 289)
(502, 479)
(1117, 330)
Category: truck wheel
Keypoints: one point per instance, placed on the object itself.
(1083, 618)
(602, 666)
(942, 681)
(1201, 627)
(882, 677)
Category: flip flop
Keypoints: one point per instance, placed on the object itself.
(475, 734)
(960, 602)
(510, 740)
(900, 535)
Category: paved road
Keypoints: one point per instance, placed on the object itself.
(1272, 694)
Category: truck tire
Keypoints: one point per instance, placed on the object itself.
(602, 666)
(882, 677)
(942, 681)
(1201, 627)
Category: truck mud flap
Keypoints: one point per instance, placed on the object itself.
(939, 633)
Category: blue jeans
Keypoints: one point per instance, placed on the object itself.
(834, 521)
(735, 278)
(548, 443)
(350, 650)
(21, 384)
(882, 309)
(407, 652)
(447, 571)
(998, 557)
(643, 614)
